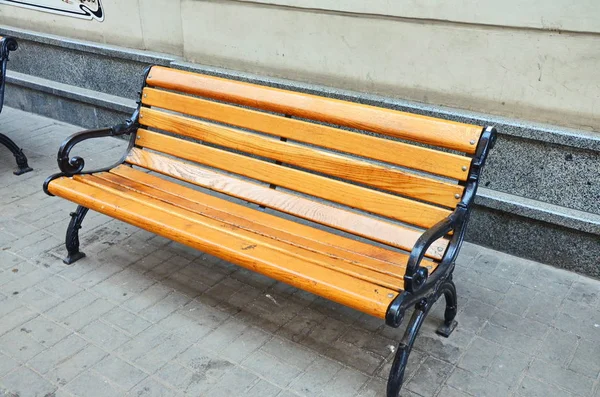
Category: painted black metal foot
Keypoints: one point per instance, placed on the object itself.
(449, 291)
(72, 238)
(74, 257)
(446, 329)
(22, 166)
(22, 171)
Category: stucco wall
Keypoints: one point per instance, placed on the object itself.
(153, 25)
(535, 60)
(564, 15)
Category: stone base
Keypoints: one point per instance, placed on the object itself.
(540, 241)
(74, 105)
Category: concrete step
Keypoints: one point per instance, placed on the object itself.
(72, 104)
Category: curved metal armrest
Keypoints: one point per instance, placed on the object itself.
(70, 166)
(74, 165)
(416, 276)
(418, 284)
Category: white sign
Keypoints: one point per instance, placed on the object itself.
(85, 9)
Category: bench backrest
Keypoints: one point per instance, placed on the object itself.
(385, 162)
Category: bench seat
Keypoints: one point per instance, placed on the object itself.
(353, 273)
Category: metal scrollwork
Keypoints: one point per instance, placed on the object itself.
(72, 165)
(422, 289)
(8, 44)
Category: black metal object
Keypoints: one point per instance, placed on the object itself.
(70, 166)
(75, 165)
(72, 238)
(22, 165)
(422, 289)
(8, 44)
(449, 291)
(405, 346)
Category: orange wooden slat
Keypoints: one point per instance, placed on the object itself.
(360, 225)
(232, 246)
(384, 277)
(349, 168)
(398, 153)
(217, 205)
(337, 218)
(230, 213)
(428, 130)
(399, 208)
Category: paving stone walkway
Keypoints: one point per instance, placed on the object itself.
(142, 316)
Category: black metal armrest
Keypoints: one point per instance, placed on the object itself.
(70, 166)
(416, 275)
(74, 165)
(418, 283)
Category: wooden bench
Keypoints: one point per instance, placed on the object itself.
(8, 44)
(400, 194)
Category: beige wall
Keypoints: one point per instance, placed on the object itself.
(535, 60)
(153, 25)
(565, 15)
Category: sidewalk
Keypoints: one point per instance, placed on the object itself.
(142, 316)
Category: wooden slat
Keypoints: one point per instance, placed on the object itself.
(298, 206)
(232, 246)
(405, 210)
(386, 277)
(230, 213)
(437, 132)
(378, 176)
(360, 225)
(398, 153)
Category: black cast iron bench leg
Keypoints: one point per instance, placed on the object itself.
(422, 308)
(22, 165)
(72, 238)
(449, 291)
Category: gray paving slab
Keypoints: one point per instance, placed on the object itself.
(141, 316)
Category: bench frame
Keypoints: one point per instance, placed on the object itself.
(421, 290)
(8, 44)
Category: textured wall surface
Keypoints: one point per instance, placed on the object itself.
(564, 15)
(534, 74)
(154, 25)
(534, 61)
